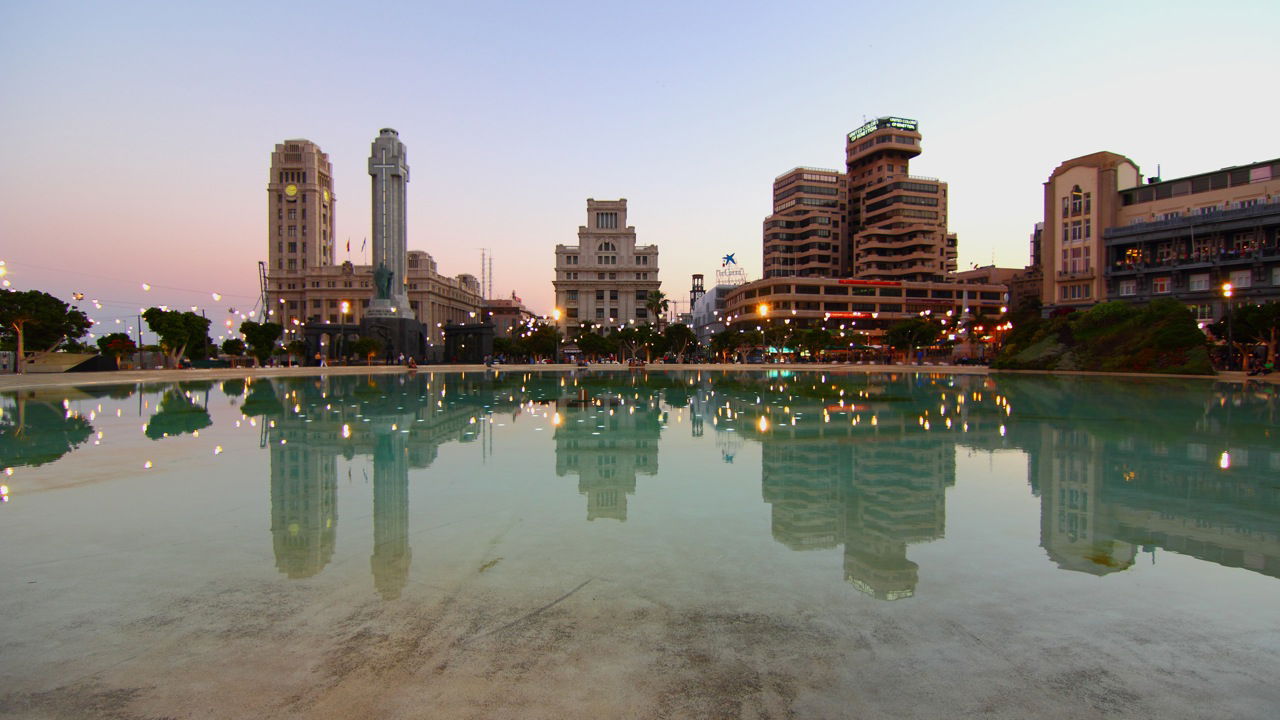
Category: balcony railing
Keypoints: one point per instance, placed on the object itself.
(1259, 210)
(1266, 252)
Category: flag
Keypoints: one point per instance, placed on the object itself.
(348, 245)
(363, 243)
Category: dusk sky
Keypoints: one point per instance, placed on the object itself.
(137, 136)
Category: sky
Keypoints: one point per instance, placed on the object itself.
(135, 138)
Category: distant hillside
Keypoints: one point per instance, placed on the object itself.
(1160, 337)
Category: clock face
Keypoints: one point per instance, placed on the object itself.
(291, 190)
(326, 196)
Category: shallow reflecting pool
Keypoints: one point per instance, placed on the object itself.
(750, 544)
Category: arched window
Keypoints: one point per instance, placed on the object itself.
(1077, 200)
(607, 247)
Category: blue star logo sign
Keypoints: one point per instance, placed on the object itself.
(728, 260)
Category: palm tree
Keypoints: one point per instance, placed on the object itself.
(656, 302)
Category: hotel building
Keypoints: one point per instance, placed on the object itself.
(604, 281)
(304, 281)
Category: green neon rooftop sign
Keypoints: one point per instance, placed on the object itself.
(882, 123)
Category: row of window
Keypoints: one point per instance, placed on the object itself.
(604, 276)
(572, 295)
(600, 259)
(1076, 292)
(1195, 283)
(572, 313)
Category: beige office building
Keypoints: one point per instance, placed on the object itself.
(802, 238)
(307, 283)
(896, 222)
(604, 281)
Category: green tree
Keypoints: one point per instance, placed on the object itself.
(748, 340)
(656, 303)
(298, 349)
(724, 342)
(680, 338)
(1252, 325)
(911, 334)
(261, 338)
(233, 347)
(593, 345)
(543, 341)
(367, 347)
(815, 341)
(177, 331)
(40, 320)
(629, 341)
(116, 346)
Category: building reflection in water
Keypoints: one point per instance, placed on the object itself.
(399, 422)
(859, 462)
(1195, 476)
(607, 436)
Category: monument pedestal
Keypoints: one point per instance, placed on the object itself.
(397, 335)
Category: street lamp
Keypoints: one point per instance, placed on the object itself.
(555, 313)
(342, 331)
(1227, 292)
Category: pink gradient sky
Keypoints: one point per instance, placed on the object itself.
(137, 135)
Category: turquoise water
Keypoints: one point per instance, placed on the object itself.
(749, 543)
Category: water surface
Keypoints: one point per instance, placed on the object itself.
(748, 544)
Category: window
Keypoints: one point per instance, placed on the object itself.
(642, 313)
(642, 260)
(1198, 282)
(571, 296)
(570, 259)
(613, 313)
(607, 220)
(642, 276)
(571, 276)
(1275, 276)
(571, 312)
(1077, 200)
(1087, 228)
(642, 295)
(1076, 230)
(1160, 285)
(293, 247)
(613, 294)
(1128, 288)
(599, 313)
(1242, 278)
(293, 213)
(293, 231)
(293, 264)
(613, 276)
(599, 295)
